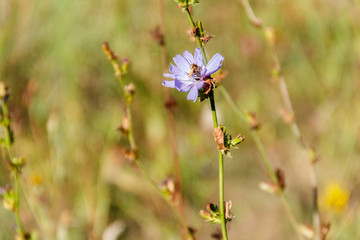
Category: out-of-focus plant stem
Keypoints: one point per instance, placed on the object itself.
(15, 170)
(133, 148)
(284, 93)
(171, 122)
(215, 122)
(265, 157)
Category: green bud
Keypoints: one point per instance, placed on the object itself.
(8, 198)
(237, 140)
(212, 214)
(130, 91)
(4, 91)
(186, 3)
(18, 161)
(124, 65)
(200, 29)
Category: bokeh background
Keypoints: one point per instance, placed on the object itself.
(66, 106)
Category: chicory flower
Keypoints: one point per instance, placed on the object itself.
(190, 72)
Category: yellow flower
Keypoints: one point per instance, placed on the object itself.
(36, 180)
(335, 197)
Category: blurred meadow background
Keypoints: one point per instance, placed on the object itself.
(66, 106)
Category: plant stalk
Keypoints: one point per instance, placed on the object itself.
(215, 122)
(20, 229)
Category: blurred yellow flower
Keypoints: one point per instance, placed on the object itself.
(335, 197)
(36, 179)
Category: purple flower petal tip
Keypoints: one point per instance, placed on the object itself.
(170, 84)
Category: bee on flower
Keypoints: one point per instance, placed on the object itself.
(190, 73)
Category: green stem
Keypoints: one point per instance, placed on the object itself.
(266, 160)
(131, 131)
(197, 37)
(8, 134)
(284, 94)
(133, 146)
(221, 172)
(16, 202)
(221, 195)
(215, 122)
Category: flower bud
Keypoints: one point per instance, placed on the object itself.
(124, 65)
(24, 236)
(252, 120)
(169, 190)
(17, 163)
(270, 35)
(4, 91)
(158, 36)
(269, 187)
(108, 53)
(201, 32)
(237, 140)
(8, 198)
(186, 3)
(325, 228)
(314, 157)
(307, 231)
(130, 88)
(171, 104)
(212, 214)
(287, 116)
(205, 214)
(219, 138)
(280, 175)
(124, 128)
(228, 215)
(131, 154)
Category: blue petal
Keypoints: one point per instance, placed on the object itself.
(203, 72)
(175, 70)
(200, 84)
(189, 57)
(198, 58)
(170, 84)
(193, 94)
(183, 86)
(183, 77)
(182, 63)
(214, 64)
(169, 75)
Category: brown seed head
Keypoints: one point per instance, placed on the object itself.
(219, 138)
(325, 228)
(206, 38)
(287, 116)
(280, 175)
(4, 91)
(131, 154)
(158, 36)
(252, 120)
(171, 104)
(124, 128)
(108, 53)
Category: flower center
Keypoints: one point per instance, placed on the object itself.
(195, 72)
